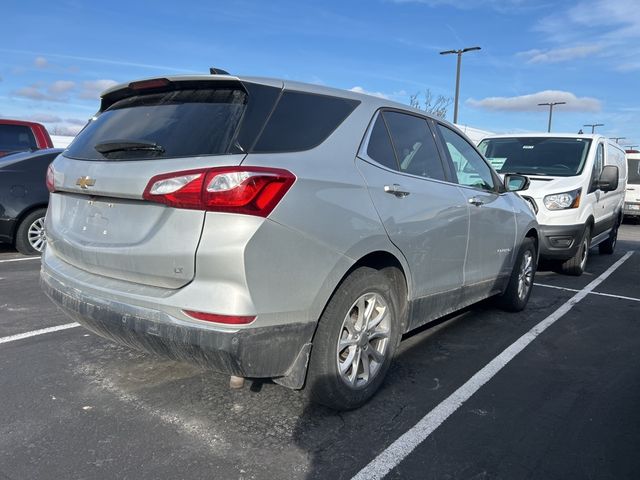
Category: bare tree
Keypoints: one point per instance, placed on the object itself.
(437, 107)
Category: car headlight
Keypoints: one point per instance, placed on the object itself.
(564, 200)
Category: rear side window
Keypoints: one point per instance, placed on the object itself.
(180, 123)
(16, 138)
(379, 147)
(414, 145)
(302, 121)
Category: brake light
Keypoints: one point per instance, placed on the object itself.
(50, 180)
(148, 84)
(246, 190)
(214, 317)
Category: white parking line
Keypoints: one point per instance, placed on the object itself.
(602, 294)
(403, 446)
(19, 259)
(34, 333)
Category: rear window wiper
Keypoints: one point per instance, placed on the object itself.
(128, 146)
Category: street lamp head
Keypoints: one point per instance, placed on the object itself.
(447, 52)
(469, 49)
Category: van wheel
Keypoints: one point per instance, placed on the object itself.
(30, 237)
(609, 245)
(518, 291)
(576, 265)
(357, 336)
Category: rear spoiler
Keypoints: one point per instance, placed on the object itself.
(162, 84)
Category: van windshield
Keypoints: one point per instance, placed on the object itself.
(558, 157)
(634, 171)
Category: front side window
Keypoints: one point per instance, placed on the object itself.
(470, 167)
(598, 164)
(414, 145)
(634, 171)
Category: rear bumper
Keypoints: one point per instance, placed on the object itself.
(272, 351)
(560, 242)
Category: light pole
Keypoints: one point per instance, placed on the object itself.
(617, 139)
(459, 53)
(551, 104)
(593, 126)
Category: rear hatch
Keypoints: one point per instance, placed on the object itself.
(98, 220)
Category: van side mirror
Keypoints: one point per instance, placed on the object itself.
(516, 183)
(608, 180)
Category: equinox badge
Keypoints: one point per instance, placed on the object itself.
(85, 182)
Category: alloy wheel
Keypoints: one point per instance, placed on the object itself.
(36, 235)
(364, 339)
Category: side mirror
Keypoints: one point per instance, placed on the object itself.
(608, 180)
(516, 183)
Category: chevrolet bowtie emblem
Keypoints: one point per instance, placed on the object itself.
(85, 182)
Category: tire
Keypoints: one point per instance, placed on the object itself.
(576, 265)
(340, 343)
(30, 237)
(609, 245)
(518, 290)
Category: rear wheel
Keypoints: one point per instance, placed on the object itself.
(356, 339)
(609, 245)
(30, 236)
(518, 291)
(576, 265)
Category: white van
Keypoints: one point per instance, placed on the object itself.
(632, 197)
(577, 190)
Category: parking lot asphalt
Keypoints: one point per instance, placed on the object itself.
(76, 406)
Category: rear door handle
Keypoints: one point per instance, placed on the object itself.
(396, 190)
(476, 201)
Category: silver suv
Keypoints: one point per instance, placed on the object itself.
(267, 228)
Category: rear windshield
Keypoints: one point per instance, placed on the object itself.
(16, 138)
(634, 171)
(180, 123)
(212, 121)
(561, 157)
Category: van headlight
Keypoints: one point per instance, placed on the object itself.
(564, 200)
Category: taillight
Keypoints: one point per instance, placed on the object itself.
(246, 190)
(226, 319)
(51, 184)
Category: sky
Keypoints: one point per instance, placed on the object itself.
(58, 55)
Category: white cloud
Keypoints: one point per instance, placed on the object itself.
(91, 90)
(529, 103)
(45, 118)
(358, 89)
(31, 92)
(61, 86)
(498, 5)
(41, 62)
(556, 55)
(76, 121)
(612, 24)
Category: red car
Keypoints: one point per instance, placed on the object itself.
(18, 136)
